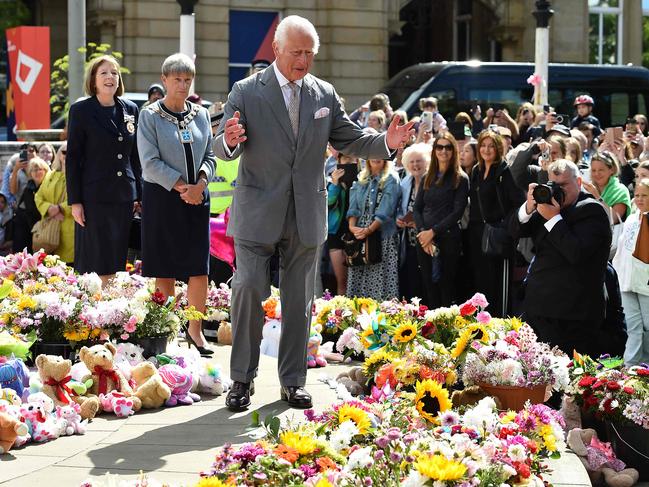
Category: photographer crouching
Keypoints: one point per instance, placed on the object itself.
(564, 295)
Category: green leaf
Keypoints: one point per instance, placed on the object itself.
(254, 423)
(275, 425)
(555, 455)
(6, 288)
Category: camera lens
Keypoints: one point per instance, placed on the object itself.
(542, 194)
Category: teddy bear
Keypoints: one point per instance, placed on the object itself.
(41, 427)
(224, 333)
(180, 382)
(599, 459)
(314, 358)
(128, 355)
(354, 381)
(99, 359)
(471, 395)
(270, 337)
(151, 389)
(54, 373)
(70, 420)
(10, 430)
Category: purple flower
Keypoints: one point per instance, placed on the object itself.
(378, 455)
(260, 476)
(308, 470)
(409, 438)
(367, 481)
(382, 442)
(395, 457)
(394, 434)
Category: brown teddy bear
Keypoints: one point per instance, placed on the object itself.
(599, 460)
(471, 395)
(224, 333)
(151, 390)
(54, 373)
(10, 429)
(106, 377)
(354, 381)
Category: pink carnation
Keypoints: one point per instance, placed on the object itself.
(483, 317)
(479, 300)
(124, 336)
(131, 324)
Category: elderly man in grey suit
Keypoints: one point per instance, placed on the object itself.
(279, 122)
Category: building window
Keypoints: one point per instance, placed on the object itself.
(605, 31)
(462, 34)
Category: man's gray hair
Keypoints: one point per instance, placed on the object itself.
(295, 22)
(178, 63)
(560, 166)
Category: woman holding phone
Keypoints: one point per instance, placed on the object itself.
(340, 182)
(437, 210)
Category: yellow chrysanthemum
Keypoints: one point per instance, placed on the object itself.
(405, 332)
(406, 371)
(438, 467)
(356, 415)
(26, 302)
(54, 279)
(508, 417)
(515, 323)
(15, 293)
(460, 322)
(479, 332)
(451, 378)
(365, 304)
(431, 399)
(211, 482)
(461, 343)
(302, 443)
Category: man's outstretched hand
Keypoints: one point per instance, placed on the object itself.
(234, 132)
(398, 135)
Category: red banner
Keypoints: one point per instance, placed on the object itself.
(28, 49)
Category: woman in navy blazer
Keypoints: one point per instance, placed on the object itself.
(103, 170)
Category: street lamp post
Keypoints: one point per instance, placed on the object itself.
(187, 30)
(542, 14)
(76, 40)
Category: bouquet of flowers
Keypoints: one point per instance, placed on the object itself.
(516, 359)
(335, 314)
(217, 307)
(609, 390)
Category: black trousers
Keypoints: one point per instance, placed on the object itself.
(487, 273)
(584, 336)
(444, 292)
(410, 276)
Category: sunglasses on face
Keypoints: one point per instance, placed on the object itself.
(446, 147)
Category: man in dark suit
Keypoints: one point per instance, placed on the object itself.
(279, 122)
(564, 296)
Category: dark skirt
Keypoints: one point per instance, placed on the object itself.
(101, 246)
(175, 235)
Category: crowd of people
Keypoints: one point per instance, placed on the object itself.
(540, 214)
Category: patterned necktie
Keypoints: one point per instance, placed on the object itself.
(294, 108)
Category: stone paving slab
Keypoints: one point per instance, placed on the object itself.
(175, 444)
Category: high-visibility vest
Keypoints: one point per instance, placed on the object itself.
(222, 186)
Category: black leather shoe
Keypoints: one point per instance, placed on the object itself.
(238, 398)
(297, 397)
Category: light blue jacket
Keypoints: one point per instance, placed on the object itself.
(162, 154)
(387, 209)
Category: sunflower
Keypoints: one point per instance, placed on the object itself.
(356, 415)
(303, 444)
(378, 358)
(461, 343)
(405, 332)
(431, 399)
(212, 482)
(438, 467)
(460, 322)
(323, 482)
(365, 304)
(479, 332)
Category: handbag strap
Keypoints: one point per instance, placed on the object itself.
(498, 197)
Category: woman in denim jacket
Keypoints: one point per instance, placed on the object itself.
(378, 281)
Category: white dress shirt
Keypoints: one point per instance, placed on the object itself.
(524, 217)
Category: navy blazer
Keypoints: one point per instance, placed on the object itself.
(102, 163)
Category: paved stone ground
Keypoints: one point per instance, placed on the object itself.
(174, 444)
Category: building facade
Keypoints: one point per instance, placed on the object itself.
(363, 42)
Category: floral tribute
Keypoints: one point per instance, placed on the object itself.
(48, 299)
(609, 390)
(406, 439)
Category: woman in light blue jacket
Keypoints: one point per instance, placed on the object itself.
(175, 146)
(373, 208)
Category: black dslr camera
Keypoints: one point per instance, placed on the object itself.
(543, 193)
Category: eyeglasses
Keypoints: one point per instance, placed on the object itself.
(446, 147)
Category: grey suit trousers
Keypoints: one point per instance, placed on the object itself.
(251, 285)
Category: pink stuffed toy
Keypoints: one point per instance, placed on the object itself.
(314, 358)
(41, 429)
(70, 420)
(180, 382)
(118, 403)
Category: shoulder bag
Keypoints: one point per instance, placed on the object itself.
(496, 240)
(46, 233)
(641, 251)
(366, 251)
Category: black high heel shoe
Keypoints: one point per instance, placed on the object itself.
(205, 352)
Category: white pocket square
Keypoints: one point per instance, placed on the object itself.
(321, 113)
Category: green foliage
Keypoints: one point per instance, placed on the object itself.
(645, 42)
(12, 14)
(59, 78)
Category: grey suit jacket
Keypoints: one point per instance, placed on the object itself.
(275, 167)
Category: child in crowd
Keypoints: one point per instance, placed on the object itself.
(584, 105)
